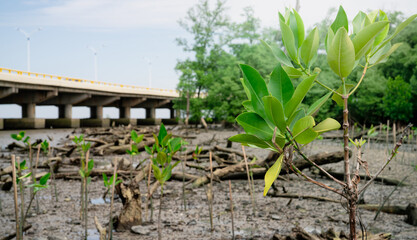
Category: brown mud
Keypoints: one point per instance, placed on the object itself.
(61, 220)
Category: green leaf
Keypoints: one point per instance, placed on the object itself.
(254, 124)
(156, 172)
(400, 27)
(248, 106)
(341, 54)
(256, 86)
(289, 41)
(310, 46)
(382, 58)
(134, 135)
(300, 32)
(302, 131)
(292, 72)
(250, 140)
(162, 132)
(161, 158)
(372, 15)
(381, 36)
(298, 96)
(340, 21)
(306, 136)
(90, 165)
(275, 112)
(278, 54)
(16, 137)
(364, 39)
(338, 99)
(329, 124)
(360, 21)
(280, 85)
(272, 173)
(44, 179)
(22, 165)
(148, 150)
(105, 180)
(118, 182)
(302, 125)
(26, 175)
(81, 173)
(316, 105)
(329, 39)
(245, 88)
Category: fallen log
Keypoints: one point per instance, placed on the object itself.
(239, 170)
(400, 210)
(297, 196)
(383, 180)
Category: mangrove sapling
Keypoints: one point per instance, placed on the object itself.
(79, 141)
(86, 179)
(210, 192)
(134, 148)
(111, 183)
(276, 120)
(45, 150)
(37, 186)
(165, 147)
(34, 174)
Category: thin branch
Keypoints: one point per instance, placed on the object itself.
(275, 144)
(316, 182)
(297, 148)
(360, 80)
(393, 153)
(326, 87)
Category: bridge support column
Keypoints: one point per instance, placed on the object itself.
(65, 111)
(150, 113)
(28, 110)
(96, 112)
(124, 112)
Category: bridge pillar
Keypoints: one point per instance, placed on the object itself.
(124, 112)
(150, 113)
(96, 112)
(28, 110)
(65, 111)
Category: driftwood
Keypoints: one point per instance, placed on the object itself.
(400, 210)
(297, 196)
(300, 234)
(383, 180)
(13, 235)
(100, 228)
(131, 213)
(238, 170)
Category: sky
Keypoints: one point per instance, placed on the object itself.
(134, 39)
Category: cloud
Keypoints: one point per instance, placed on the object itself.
(110, 13)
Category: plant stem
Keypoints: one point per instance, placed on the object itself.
(360, 80)
(159, 214)
(111, 202)
(34, 173)
(249, 181)
(183, 182)
(210, 192)
(22, 197)
(16, 206)
(148, 184)
(86, 195)
(31, 170)
(231, 209)
(30, 204)
(326, 87)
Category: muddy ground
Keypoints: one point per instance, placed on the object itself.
(60, 220)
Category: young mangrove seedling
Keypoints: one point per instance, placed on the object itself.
(162, 151)
(136, 139)
(110, 184)
(275, 117)
(85, 172)
(45, 151)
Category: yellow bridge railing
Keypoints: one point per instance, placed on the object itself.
(49, 76)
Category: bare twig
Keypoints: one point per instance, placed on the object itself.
(297, 148)
(249, 180)
(393, 153)
(210, 192)
(16, 207)
(231, 209)
(111, 201)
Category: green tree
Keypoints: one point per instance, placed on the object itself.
(397, 100)
(206, 25)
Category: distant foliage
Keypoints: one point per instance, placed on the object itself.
(397, 100)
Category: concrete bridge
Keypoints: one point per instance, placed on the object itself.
(29, 89)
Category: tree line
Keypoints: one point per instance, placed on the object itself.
(210, 79)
